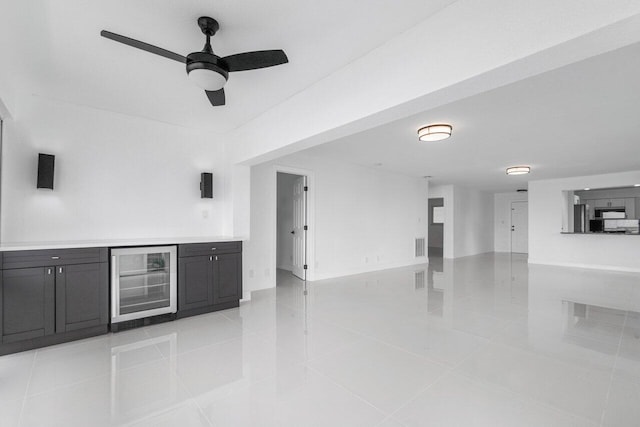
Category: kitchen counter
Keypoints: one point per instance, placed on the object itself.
(602, 233)
(25, 246)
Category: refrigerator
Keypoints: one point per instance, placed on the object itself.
(580, 218)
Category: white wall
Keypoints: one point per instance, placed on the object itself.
(502, 219)
(116, 176)
(548, 246)
(285, 183)
(473, 222)
(468, 222)
(364, 219)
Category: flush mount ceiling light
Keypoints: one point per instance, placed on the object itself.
(518, 170)
(434, 132)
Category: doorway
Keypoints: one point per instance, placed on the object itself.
(436, 227)
(520, 227)
(291, 224)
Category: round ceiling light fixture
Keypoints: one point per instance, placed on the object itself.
(518, 170)
(436, 132)
(204, 70)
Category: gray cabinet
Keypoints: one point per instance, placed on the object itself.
(209, 277)
(628, 203)
(227, 278)
(610, 203)
(52, 296)
(81, 296)
(195, 288)
(28, 303)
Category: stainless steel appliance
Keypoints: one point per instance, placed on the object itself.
(579, 218)
(143, 282)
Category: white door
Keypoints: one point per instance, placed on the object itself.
(519, 227)
(299, 222)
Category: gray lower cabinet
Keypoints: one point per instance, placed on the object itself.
(64, 299)
(227, 278)
(195, 282)
(209, 277)
(82, 296)
(28, 304)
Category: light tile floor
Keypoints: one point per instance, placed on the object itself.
(480, 341)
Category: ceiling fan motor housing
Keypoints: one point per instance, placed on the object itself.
(207, 70)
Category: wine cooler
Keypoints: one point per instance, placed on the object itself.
(143, 282)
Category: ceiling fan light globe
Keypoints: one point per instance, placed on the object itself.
(207, 79)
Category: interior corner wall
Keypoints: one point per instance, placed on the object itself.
(364, 220)
(502, 218)
(473, 222)
(548, 246)
(116, 177)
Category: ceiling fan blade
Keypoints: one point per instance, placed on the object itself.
(254, 60)
(216, 97)
(143, 46)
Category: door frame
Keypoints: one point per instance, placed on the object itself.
(311, 232)
(511, 225)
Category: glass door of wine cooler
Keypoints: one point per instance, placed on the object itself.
(143, 282)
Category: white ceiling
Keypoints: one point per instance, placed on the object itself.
(577, 120)
(581, 119)
(53, 49)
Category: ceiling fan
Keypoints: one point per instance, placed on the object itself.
(205, 68)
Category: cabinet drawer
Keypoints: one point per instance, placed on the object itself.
(41, 258)
(195, 249)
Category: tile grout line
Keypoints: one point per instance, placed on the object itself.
(181, 381)
(522, 398)
(349, 391)
(613, 369)
(26, 391)
(448, 370)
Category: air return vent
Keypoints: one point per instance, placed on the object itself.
(420, 247)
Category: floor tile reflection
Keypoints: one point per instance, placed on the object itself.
(487, 340)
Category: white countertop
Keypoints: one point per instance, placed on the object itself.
(24, 246)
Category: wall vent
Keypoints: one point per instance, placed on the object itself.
(419, 279)
(420, 247)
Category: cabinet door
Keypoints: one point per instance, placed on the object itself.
(617, 203)
(602, 203)
(227, 279)
(81, 296)
(28, 303)
(195, 282)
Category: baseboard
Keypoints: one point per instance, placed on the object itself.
(379, 267)
(54, 339)
(589, 266)
(207, 309)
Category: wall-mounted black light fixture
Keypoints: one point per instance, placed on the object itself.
(206, 185)
(45, 170)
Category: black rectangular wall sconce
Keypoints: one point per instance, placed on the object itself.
(45, 170)
(206, 185)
